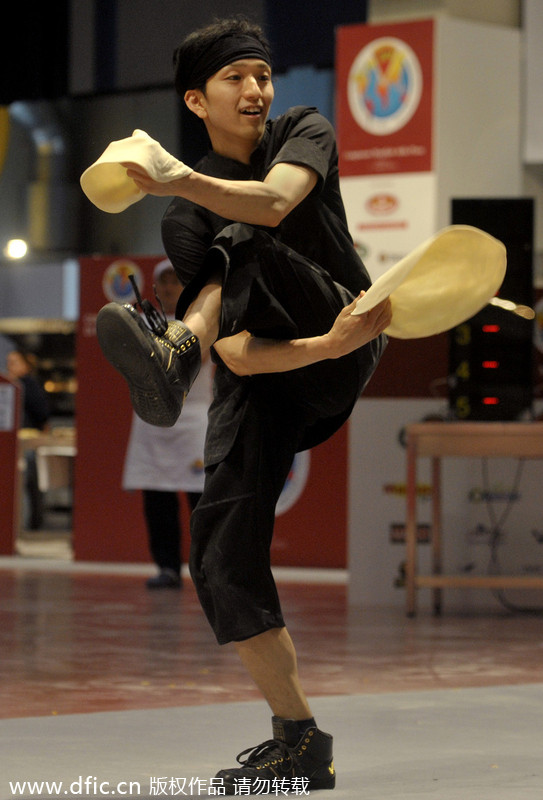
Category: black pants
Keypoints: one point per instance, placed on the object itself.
(161, 511)
(273, 292)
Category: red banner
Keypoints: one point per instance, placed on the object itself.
(108, 522)
(384, 78)
(10, 477)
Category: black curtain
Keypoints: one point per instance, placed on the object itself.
(303, 33)
(34, 60)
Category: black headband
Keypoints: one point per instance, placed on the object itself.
(221, 52)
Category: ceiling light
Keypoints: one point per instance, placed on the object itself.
(16, 248)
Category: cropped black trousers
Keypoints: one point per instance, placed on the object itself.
(271, 291)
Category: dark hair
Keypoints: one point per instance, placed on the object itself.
(198, 44)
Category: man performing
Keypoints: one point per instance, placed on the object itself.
(258, 236)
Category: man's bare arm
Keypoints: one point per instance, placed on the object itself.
(245, 354)
(264, 202)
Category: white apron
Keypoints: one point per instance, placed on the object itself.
(171, 459)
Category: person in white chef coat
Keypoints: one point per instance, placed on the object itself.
(161, 462)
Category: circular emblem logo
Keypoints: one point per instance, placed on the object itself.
(116, 283)
(295, 483)
(362, 249)
(383, 203)
(384, 86)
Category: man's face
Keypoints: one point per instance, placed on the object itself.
(168, 289)
(16, 365)
(236, 104)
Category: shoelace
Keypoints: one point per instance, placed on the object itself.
(157, 321)
(271, 751)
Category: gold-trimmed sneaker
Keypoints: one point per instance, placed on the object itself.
(159, 369)
(286, 763)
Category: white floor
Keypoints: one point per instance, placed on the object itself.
(468, 744)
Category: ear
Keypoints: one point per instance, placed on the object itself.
(195, 102)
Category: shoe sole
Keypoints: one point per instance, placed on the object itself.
(128, 345)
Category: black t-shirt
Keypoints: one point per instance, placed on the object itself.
(316, 228)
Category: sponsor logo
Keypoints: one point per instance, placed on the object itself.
(116, 283)
(384, 86)
(380, 204)
(295, 483)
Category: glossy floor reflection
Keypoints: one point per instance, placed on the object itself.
(76, 642)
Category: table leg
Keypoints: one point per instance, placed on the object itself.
(436, 530)
(411, 528)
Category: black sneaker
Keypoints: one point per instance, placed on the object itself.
(284, 764)
(166, 579)
(159, 369)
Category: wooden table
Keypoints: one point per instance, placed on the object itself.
(437, 440)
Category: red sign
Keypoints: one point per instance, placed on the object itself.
(384, 77)
(108, 522)
(10, 480)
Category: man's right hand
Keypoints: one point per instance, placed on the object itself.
(349, 331)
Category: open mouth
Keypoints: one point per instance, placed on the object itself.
(252, 112)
